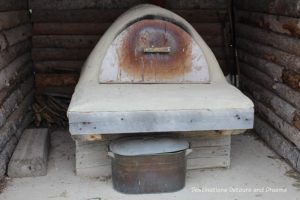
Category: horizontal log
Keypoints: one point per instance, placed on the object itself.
(279, 41)
(16, 35)
(55, 80)
(89, 41)
(13, 101)
(57, 66)
(6, 5)
(21, 77)
(278, 142)
(289, 131)
(274, 71)
(279, 57)
(14, 121)
(6, 154)
(13, 52)
(191, 4)
(283, 91)
(292, 79)
(55, 54)
(279, 24)
(278, 7)
(279, 106)
(9, 73)
(12, 19)
(124, 4)
(97, 15)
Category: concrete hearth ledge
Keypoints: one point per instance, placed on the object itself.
(30, 156)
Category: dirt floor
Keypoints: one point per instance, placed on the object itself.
(255, 173)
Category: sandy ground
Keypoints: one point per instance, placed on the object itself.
(255, 173)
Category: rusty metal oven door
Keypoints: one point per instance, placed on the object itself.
(154, 51)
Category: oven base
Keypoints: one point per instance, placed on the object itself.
(211, 149)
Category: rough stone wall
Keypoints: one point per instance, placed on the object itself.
(268, 41)
(16, 77)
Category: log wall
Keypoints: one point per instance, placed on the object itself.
(65, 32)
(267, 37)
(16, 77)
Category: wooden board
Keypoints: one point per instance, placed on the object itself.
(126, 61)
(209, 152)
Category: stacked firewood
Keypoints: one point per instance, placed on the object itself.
(50, 110)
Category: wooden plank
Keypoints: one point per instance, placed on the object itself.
(31, 154)
(279, 24)
(111, 4)
(278, 7)
(271, 54)
(55, 80)
(279, 106)
(273, 70)
(12, 19)
(50, 54)
(57, 66)
(92, 160)
(6, 5)
(10, 54)
(97, 15)
(277, 142)
(9, 73)
(279, 41)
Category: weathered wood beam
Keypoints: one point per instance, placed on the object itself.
(124, 4)
(12, 19)
(273, 70)
(97, 15)
(14, 121)
(279, 57)
(9, 73)
(278, 7)
(291, 79)
(15, 35)
(51, 54)
(55, 66)
(6, 5)
(278, 41)
(285, 92)
(12, 102)
(279, 24)
(278, 143)
(5, 155)
(55, 80)
(279, 106)
(8, 55)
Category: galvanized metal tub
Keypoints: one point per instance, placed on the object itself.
(161, 169)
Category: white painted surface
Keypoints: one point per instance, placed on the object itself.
(253, 166)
